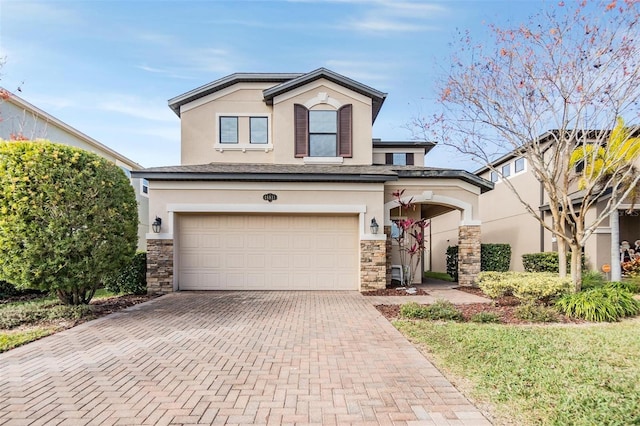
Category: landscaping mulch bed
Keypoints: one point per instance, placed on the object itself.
(394, 291)
(504, 307)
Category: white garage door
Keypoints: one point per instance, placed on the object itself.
(267, 252)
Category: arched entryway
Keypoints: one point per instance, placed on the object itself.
(429, 204)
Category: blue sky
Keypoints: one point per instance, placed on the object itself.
(108, 68)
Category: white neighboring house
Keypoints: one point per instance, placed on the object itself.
(19, 118)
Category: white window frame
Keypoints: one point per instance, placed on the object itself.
(524, 166)
(237, 138)
(244, 145)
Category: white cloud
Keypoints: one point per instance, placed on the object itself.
(148, 109)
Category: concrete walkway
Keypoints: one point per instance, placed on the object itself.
(231, 358)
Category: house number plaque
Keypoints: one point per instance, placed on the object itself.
(270, 197)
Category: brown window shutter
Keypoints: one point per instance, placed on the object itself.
(301, 125)
(410, 159)
(388, 158)
(345, 132)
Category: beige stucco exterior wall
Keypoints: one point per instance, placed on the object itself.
(505, 220)
(312, 96)
(199, 123)
(304, 197)
(20, 117)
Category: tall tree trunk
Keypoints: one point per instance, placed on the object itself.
(576, 267)
(614, 224)
(562, 258)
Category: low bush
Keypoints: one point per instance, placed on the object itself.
(493, 257)
(592, 279)
(485, 317)
(7, 289)
(632, 286)
(544, 262)
(452, 262)
(599, 304)
(527, 286)
(535, 313)
(440, 310)
(132, 279)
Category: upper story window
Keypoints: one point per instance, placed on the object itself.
(506, 170)
(228, 129)
(509, 169)
(243, 132)
(259, 132)
(399, 158)
(323, 133)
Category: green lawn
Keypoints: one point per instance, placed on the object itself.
(541, 375)
(26, 321)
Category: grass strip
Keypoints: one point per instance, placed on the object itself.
(556, 375)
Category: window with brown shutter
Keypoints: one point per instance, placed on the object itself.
(301, 125)
(388, 158)
(345, 132)
(410, 159)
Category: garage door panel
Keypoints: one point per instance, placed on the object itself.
(275, 252)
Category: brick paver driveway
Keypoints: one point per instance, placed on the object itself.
(230, 357)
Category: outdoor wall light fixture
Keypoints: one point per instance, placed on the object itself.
(374, 226)
(156, 225)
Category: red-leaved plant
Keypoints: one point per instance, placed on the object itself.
(410, 239)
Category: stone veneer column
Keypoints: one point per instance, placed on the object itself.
(468, 254)
(373, 264)
(389, 245)
(159, 266)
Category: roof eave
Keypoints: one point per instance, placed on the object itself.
(265, 177)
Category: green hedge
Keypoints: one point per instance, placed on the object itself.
(545, 262)
(132, 279)
(493, 257)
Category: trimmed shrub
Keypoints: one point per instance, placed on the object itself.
(599, 304)
(7, 289)
(485, 317)
(535, 313)
(132, 279)
(440, 310)
(68, 219)
(452, 262)
(493, 257)
(545, 262)
(527, 286)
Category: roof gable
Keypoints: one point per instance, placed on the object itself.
(283, 82)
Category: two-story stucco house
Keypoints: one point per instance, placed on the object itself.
(24, 120)
(505, 219)
(279, 182)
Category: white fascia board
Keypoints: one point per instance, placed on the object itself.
(267, 186)
(258, 87)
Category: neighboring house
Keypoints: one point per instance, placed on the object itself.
(20, 119)
(505, 220)
(279, 183)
